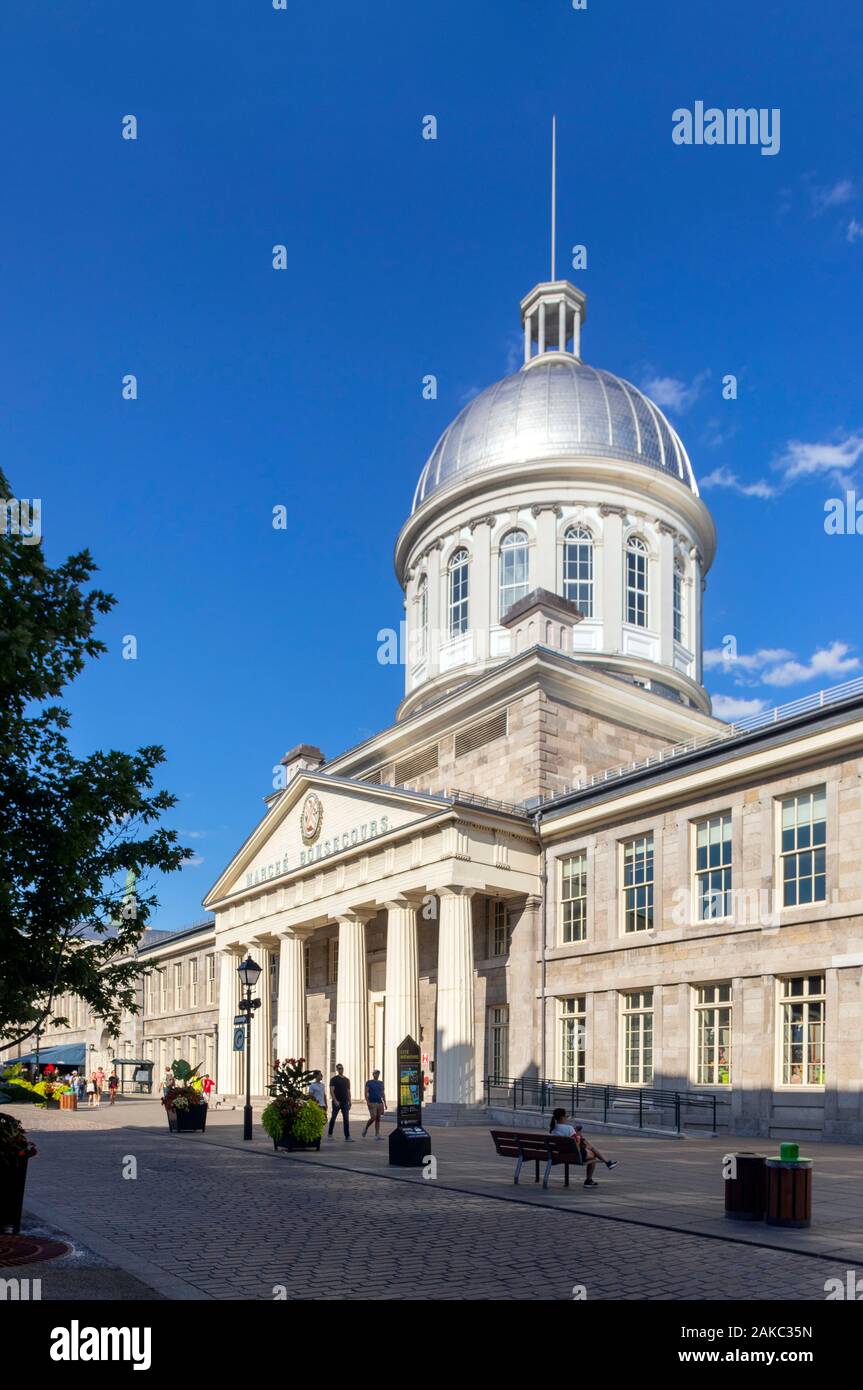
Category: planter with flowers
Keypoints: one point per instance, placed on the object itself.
(45, 1093)
(293, 1119)
(184, 1100)
(16, 1150)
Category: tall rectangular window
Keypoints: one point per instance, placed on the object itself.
(193, 983)
(636, 582)
(638, 1037)
(713, 870)
(210, 970)
(573, 1038)
(573, 897)
(677, 606)
(178, 985)
(307, 966)
(498, 1042)
(459, 580)
(578, 569)
(713, 1035)
(333, 961)
(498, 930)
(802, 1029)
(637, 887)
(163, 989)
(803, 848)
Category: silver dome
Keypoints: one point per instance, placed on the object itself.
(554, 408)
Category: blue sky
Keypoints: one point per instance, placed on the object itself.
(405, 256)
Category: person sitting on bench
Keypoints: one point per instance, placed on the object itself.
(589, 1155)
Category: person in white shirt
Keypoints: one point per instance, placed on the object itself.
(317, 1090)
(590, 1155)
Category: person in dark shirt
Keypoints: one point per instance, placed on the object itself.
(377, 1103)
(340, 1095)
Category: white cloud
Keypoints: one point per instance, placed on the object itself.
(839, 193)
(854, 231)
(731, 707)
(830, 662)
(673, 394)
(194, 863)
(752, 661)
(802, 460)
(723, 477)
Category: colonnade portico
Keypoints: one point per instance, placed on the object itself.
(423, 874)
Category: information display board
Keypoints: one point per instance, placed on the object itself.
(409, 1072)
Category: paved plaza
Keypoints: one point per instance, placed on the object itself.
(211, 1217)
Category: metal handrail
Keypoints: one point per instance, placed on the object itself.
(547, 1092)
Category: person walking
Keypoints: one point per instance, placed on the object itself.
(209, 1086)
(317, 1091)
(113, 1086)
(92, 1092)
(377, 1103)
(340, 1096)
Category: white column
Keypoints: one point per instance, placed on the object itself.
(545, 568)
(455, 1064)
(402, 1007)
(613, 578)
(527, 337)
(226, 1078)
(291, 1020)
(541, 343)
(561, 326)
(661, 601)
(352, 1002)
(262, 1024)
(483, 589)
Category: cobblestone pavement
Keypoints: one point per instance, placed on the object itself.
(208, 1218)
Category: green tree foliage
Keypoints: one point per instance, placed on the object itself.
(79, 837)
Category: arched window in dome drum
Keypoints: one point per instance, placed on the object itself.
(513, 570)
(422, 618)
(679, 609)
(459, 572)
(578, 569)
(636, 582)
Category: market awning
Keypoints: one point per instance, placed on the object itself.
(72, 1055)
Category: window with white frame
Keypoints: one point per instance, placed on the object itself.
(333, 961)
(678, 605)
(713, 867)
(193, 983)
(307, 965)
(578, 569)
(513, 570)
(572, 1019)
(163, 989)
(713, 1035)
(637, 1011)
(636, 582)
(498, 1042)
(573, 896)
(178, 985)
(422, 618)
(803, 848)
(459, 574)
(498, 929)
(210, 971)
(801, 1006)
(637, 884)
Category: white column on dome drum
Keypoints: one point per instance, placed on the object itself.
(561, 326)
(661, 605)
(455, 1063)
(576, 332)
(262, 1024)
(697, 617)
(291, 1020)
(352, 1002)
(545, 574)
(227, 1076)
(402, 1004)
(482, 598)
(541, 344)
(613, 579)
(527, 337)
(437, 608)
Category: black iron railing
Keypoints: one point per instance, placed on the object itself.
(620, 1104)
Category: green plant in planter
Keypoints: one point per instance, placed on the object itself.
(309, 1123)
(186, 1091)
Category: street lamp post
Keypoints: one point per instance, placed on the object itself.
(249, 972)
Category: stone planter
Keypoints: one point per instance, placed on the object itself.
(13, 1178)
(193, 1120)
(293, 1145)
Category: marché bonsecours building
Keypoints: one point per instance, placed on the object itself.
(555, 862)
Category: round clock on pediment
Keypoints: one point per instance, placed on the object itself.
(311, 818)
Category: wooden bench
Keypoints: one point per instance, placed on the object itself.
(533, 1146)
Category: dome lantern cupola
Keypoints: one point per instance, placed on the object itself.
(551, 316)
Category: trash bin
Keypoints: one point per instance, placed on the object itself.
(789, 1188)
(746, 1191)
(68, 1101)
